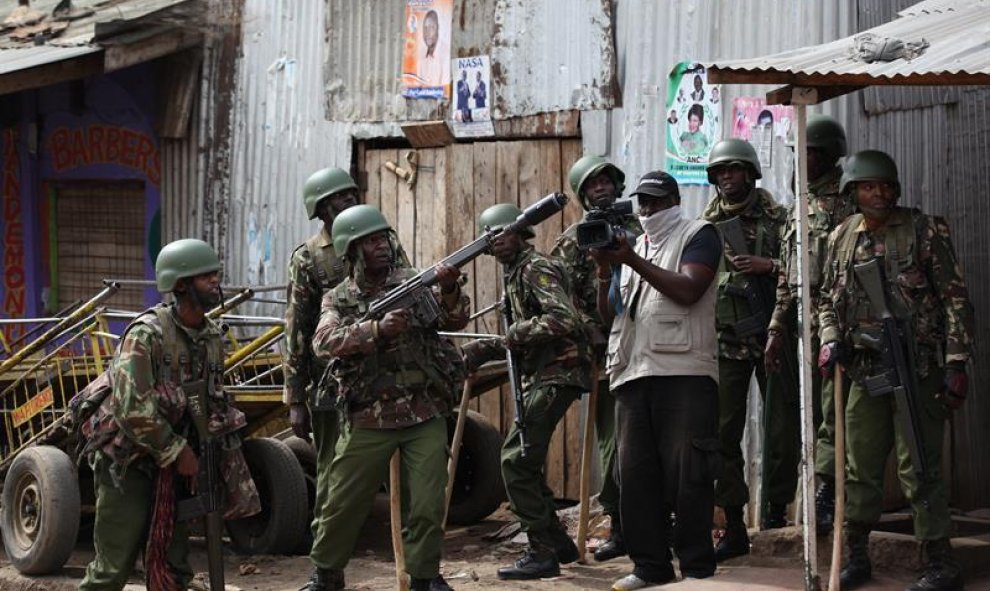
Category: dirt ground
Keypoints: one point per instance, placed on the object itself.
(470, 563)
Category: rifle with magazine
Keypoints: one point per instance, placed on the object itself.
(414, 294)
(895, 344)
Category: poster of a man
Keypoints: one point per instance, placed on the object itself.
(426, 54)
(468, 121)
(480, 91)
(463, 95)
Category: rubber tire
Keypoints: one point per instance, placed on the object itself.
(478, 487)
(47, 476)
(305, 452)
(282, 487)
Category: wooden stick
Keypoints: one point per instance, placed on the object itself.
(586, 450)
(455, 447)
(840, 482)
(395, 512)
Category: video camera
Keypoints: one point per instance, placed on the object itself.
(603, 225)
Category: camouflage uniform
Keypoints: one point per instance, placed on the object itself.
(142, 426)
(314, 269)
(551, 340)
(739, 355)
(926, 285)
(580, 269)
(827, 209)
(393, 395)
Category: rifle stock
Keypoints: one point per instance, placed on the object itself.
(899, 377)
(414, 293)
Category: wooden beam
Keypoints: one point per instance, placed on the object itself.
(52, 73)
(123, 55)
(428, 134)
(558, 124)
(730, 76)
(807, 95)
(180, 80)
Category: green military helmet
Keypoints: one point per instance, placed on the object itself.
(869, 165)
(188, 257)
(356, 222)
(826, 134)
(323, 183)
(733, 151)
(500, 215)
(589, 166)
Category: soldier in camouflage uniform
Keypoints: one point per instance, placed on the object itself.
(597, 183)
(827, 209)
(142, 429)
(551, 341)
(733, 168)
(314, 269)
(926, 290)
(394, 382)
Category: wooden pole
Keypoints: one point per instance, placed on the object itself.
(395, 512)
(840, 482)
(455, 447)
(586, 450)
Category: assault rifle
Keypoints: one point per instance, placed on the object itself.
(759, 292)
(208, 500)
(511, 366)
(414, 294)
(896, 347)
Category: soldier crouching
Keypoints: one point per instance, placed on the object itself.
(395, 381)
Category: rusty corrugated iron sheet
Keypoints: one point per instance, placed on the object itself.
(552, 55)
(957, 33)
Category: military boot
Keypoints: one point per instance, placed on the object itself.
(825, 506)
(776, 516)
(857, 569)
(539, 561)
(435, 584)
(614, 547)
(325, 579)
(563, 545)
(735, 542)
(941, 569)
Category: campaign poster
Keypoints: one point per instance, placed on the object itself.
(470, 112)
(693, 126)
(426, 52)
(765, 126)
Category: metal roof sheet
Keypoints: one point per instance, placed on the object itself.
(77, 39)
(957, 31)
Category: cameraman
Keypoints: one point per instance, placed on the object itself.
(597, 184)
(662, 364)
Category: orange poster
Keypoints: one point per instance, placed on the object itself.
(426, 53)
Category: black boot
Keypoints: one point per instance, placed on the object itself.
(563, 545)
(614, 547)
(325, 579)
(776, 517)
(825, 506)
(857, 569)
(735, 542)
(435, 584)
(539, 561)
(941, 569)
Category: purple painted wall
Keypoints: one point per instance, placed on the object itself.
(101, 128)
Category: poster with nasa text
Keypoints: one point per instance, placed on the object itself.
(693, 126)
(426, 51)
(470, 112)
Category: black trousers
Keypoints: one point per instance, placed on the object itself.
(668, 461)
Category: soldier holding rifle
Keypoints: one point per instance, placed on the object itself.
(750, 221)
(166, 376)
(550, 339)
(395, 378)
(896, 314)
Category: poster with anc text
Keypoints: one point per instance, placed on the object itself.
(472, 96)
(765, 126)
(426, 52)
(693, 126)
